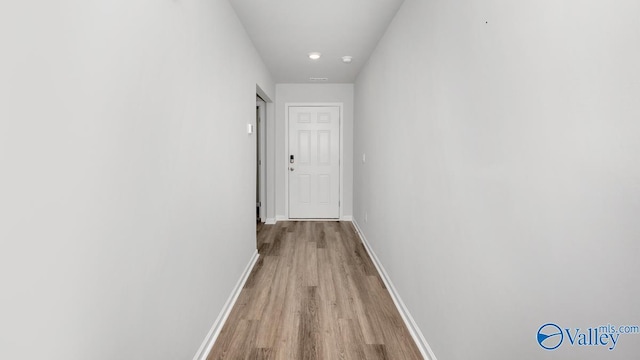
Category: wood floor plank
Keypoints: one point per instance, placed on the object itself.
(311, 264)
(262, 289)
(313, 294)
(270, 325)
(308, 331)
(261, 354)
(376, 352)
(350, 332)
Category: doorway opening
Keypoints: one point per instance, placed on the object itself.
(260, 161)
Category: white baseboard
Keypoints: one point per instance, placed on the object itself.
(270, 221)
(284, 218)
(315, 219)
(208, 342)
(417, 335)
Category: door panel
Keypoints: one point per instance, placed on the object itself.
(324, 189)
(324, 147)
(324, 117)
(305, 188)
(303, 117)
(304, 148)
(314, 174)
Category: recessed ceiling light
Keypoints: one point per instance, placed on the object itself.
(318, 78)
(347, 59)
(314, 55)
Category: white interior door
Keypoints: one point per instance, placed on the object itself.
(314, 162)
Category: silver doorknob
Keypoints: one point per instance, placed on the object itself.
(291, 169)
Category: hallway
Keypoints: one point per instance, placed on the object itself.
(313, 294)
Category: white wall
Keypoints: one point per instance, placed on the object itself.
(502, 181)
(127, 205)
(314, 93)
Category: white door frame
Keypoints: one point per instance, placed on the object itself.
(262, 154)
(286, 153)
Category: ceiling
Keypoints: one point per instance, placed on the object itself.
(286, 31)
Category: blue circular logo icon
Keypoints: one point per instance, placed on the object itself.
(550, 336)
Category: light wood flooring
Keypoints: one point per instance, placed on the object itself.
(313, 294)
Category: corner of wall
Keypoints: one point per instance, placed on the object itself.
(412, 326)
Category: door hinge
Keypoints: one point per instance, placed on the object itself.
(258, 204)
